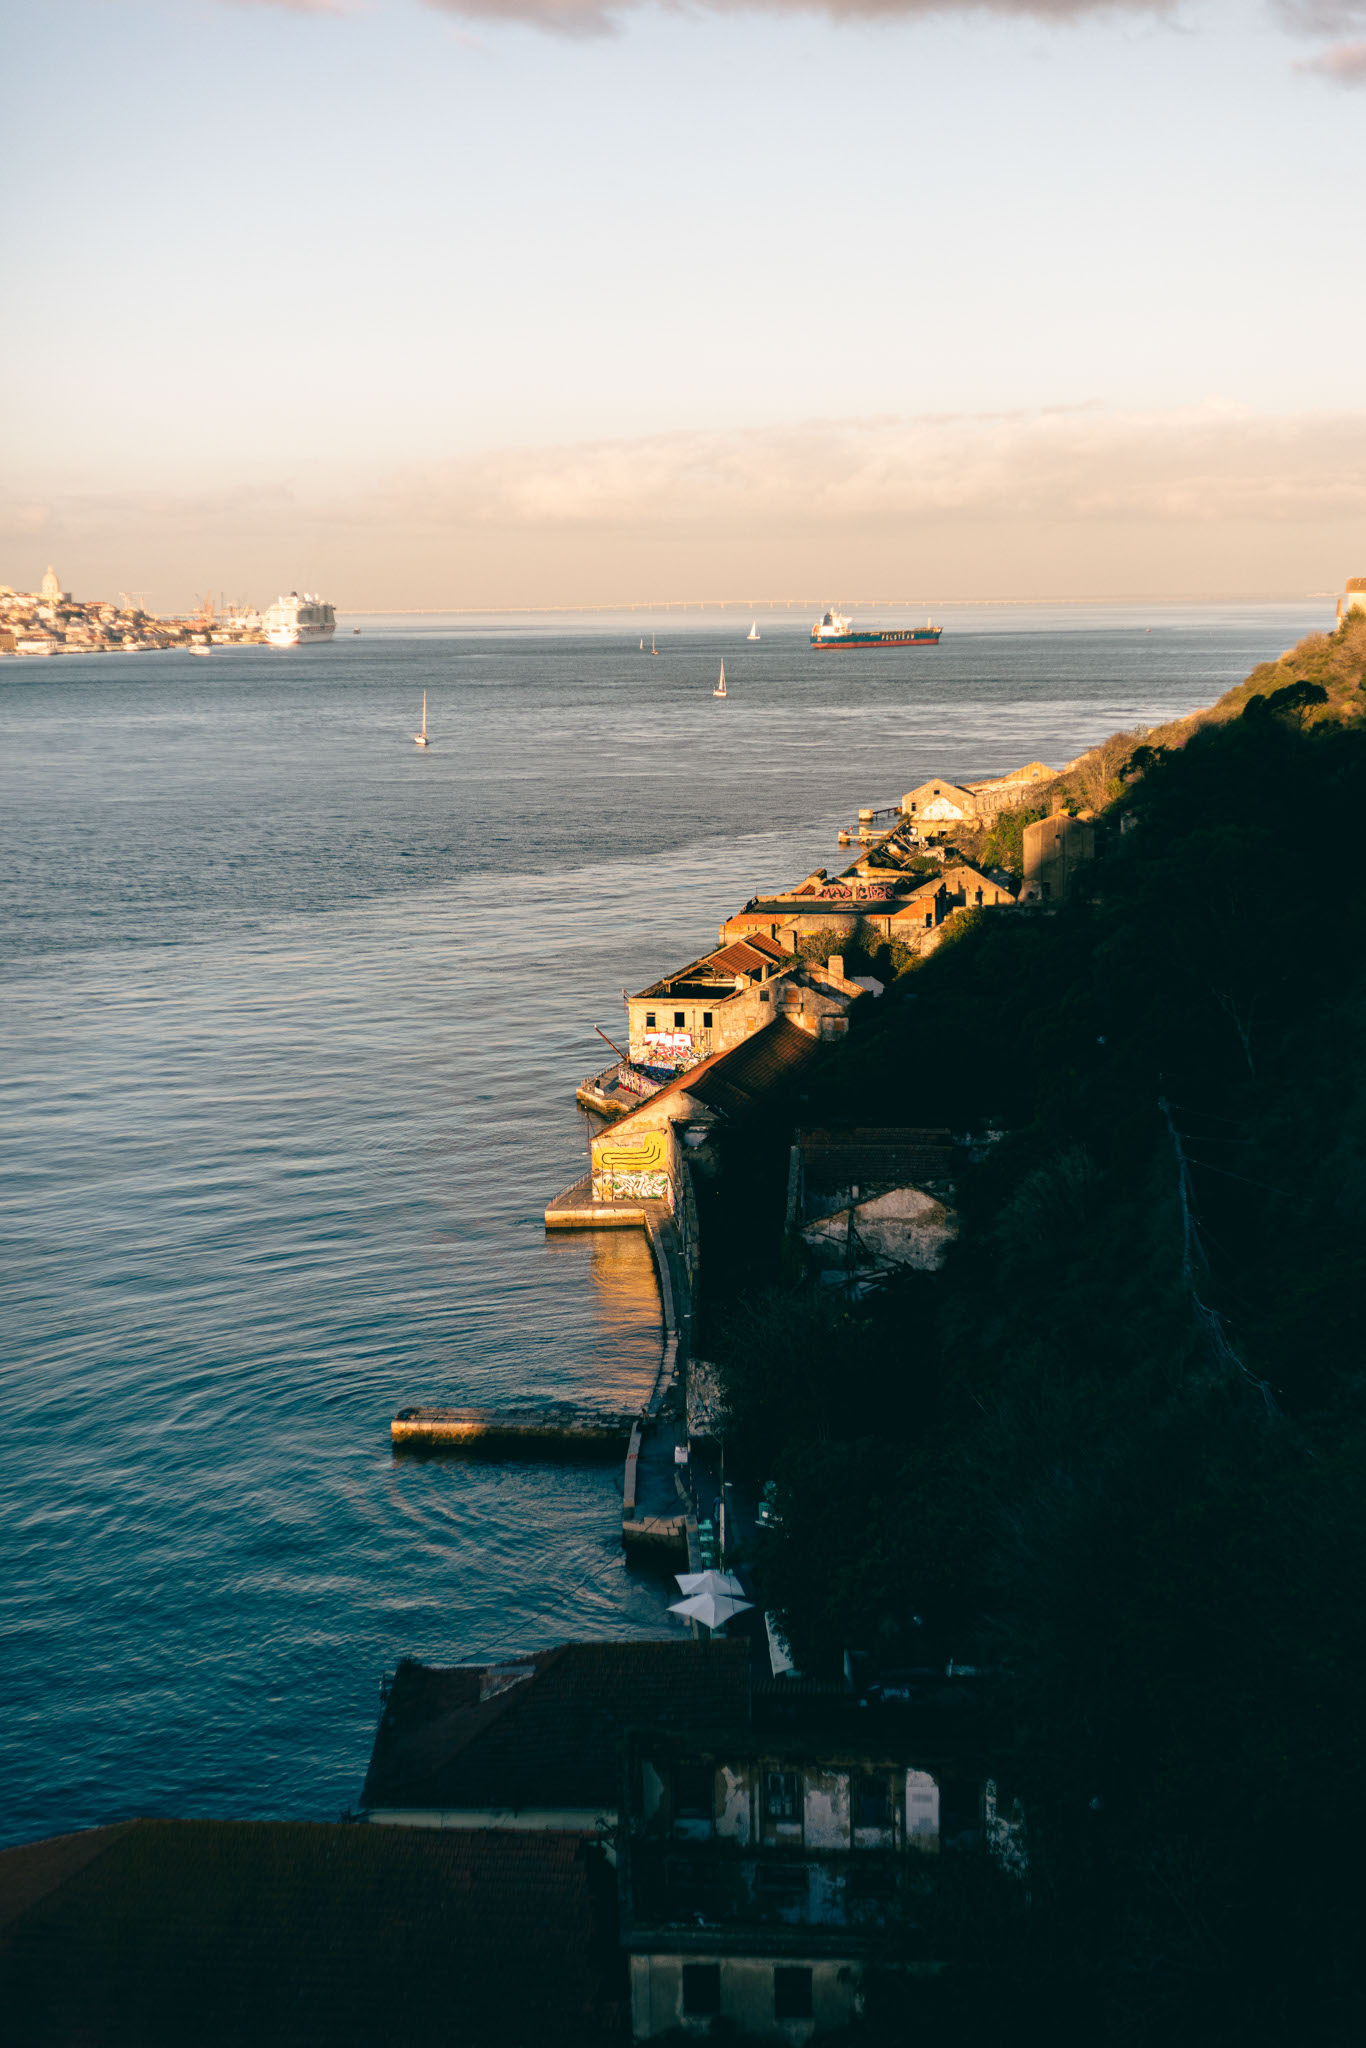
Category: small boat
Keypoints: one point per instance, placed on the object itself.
(754, 633)
(653, 648)
(420, 738)
(355, 629)
(195, 648)
(642, 645)
(720, 689)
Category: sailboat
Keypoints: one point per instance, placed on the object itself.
(642, 645)
(753, 633)
(720, 689)
(653, 648)
(420, 738)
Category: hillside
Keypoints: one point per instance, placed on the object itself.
(1116, 1450)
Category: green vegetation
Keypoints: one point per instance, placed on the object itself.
(864, 950)
(1117, 1449)
(1003, 845)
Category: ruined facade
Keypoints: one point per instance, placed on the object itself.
(1055, 850)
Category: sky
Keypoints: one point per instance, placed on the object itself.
(492, 303)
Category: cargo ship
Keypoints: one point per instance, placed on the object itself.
(293, 619)
(834, 630)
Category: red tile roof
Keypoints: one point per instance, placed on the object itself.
(743, 957)
(732, 1081)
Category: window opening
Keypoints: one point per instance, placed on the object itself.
(782, 1796)
(649, 1020)
(702, 1990)
(872, 1803)
(706, 1020)
(693, 1784)
(792, 1993)
(679, 1020)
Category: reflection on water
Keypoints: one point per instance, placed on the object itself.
(293, 1021)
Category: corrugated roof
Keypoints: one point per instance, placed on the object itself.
(552, 1740)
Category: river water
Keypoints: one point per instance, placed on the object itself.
(293, 1016)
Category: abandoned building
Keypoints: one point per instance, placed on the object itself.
(765, 1872)
(1056, 849)
(729, 994)
(535, 1742)
(868, 1202)
(638, 1158)
(938, 806)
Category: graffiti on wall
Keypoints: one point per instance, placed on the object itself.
(857, 892)
(630, 1187)
(631, 1168)
(670, 1049)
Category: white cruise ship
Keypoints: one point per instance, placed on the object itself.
(294, 618)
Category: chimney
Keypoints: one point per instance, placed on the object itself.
(836, 964)
(787, 938)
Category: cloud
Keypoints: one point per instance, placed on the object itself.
(1076, 501)
(1343, 63)
(1322, 17)
(596, 17)
(1197, 465)
(296, 6)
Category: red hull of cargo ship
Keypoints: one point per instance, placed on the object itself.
(920, 639)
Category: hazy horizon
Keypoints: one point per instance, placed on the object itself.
(493, 304)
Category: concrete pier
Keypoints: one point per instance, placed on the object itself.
(655, 1508)
(575, 1209)
(557, 1430)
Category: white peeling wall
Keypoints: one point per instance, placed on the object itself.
(734, 1805)
(827, 1810)
(922, 1811)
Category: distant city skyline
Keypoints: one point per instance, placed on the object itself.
(549, 303)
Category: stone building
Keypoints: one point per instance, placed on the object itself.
(725, 997)
(768, 1873)
(640, 1157)
(51, 588)
(938, 805)
(1055, 849)
(535, 1741)
(967, 888)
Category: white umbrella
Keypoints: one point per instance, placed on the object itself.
(721, 1583)
(711, 1609)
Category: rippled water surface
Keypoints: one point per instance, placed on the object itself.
(293, 1015)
